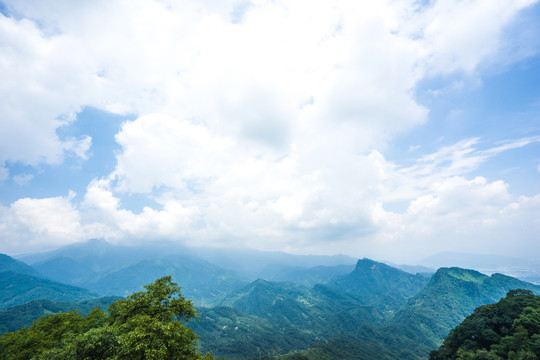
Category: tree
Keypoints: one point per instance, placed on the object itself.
(146, 325)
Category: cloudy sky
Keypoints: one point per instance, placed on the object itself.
(387, 129)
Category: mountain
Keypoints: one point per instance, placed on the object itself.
(7, 263)
(82, 263)
(18, 316)
(451, 295)
(201, 281)
(305, 276)
(16, 289)
(86, 261)
(380, 285)
(232, 334)
(422, 323)
(523, 269)
(273, 318)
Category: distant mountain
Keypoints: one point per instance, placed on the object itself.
(13, 318)
(88, 260)
(523, 269)
(414, 269)
(16, 289)
(472, 261)
(82, 263)
(380, 285)
(7, 263)
(305, 276)
(201, 281)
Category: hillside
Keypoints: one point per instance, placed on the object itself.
(380, 285)
(16, 317)
(16, 289)
(451, 295)
(422, 323)
(7, 263)
(200, 281)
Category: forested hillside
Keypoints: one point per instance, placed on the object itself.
(508, 329)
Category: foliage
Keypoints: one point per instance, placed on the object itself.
(147, 325)
(509, 329)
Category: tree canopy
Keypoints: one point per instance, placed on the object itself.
(148, 324)
(509, 329)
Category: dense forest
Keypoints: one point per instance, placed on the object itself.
(509, 329)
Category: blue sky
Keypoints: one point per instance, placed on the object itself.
(392, 130)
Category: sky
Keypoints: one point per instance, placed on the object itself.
(386, 129)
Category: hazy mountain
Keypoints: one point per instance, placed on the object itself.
(306, 276)
(380, 285)
(472, 261)
(201, 281)
(16, 289)
(524, 269)
(7, 263)
(80, 264)
(18, 316)
(87, 261)
(413, 269)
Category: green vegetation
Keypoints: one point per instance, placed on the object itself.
(423, 322)
(374, 312)
(509, 329)
(147, 325)
(16, 289)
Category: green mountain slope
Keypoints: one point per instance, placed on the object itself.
(380, 285)
(229, 333)
(16, 289)
(201, 281)
(7, 263)
(19, 316)
(422, 323)
(320, 310)
(451, 295)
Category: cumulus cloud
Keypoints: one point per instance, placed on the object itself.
(40, 224)
(261, 122)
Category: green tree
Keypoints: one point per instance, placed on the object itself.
(147, 325)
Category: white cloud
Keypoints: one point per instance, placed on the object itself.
(39, 224)
(262, 123)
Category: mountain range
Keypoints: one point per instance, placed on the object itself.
(271, 305)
